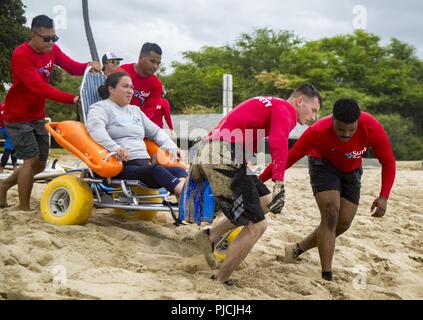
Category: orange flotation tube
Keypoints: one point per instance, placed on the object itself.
(160, 156)
(73, 136)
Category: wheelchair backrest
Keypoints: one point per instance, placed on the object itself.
(89, 90)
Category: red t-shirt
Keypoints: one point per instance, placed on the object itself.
(25, 101)
(162, 110)
(320, 141)
(147, 90)
(257, 118)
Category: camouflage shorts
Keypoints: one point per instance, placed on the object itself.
(236, 189)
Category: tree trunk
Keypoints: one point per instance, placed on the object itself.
(88, 31)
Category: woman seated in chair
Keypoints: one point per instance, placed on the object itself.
(120, 127)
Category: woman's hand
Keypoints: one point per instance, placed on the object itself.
(176, 155)
(122, 154)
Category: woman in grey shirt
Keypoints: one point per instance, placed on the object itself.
(120, 127)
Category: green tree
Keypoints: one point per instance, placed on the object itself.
(12, 33)
(383, 79)
(405, 143)
(198, 79)
(67, 83)
(386, 80)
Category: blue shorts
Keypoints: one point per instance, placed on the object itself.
(7, 142)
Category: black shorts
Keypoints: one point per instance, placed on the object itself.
(29, 138)
(325, 177)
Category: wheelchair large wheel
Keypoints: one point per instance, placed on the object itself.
(66, 200)
(221, 249)
(148, 215)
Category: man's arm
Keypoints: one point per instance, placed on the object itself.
(71, 66)
(24, 68)
(166, 111)
(383, 152)
(153, 100)
(300, 149)
(280, 127)
(266, 174)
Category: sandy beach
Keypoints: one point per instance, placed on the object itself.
(114, 258)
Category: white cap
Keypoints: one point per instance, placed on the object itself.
(110, 56)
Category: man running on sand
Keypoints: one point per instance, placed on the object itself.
(222, 157)
(336, 145)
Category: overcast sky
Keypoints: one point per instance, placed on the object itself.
(124, 25)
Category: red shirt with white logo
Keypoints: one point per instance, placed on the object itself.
(320, 141)
(147, 90)
(257, 118)
(31, 71)
(162, 110)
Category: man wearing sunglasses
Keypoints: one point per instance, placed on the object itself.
(111, 62)
(93, 80)
(32, 63)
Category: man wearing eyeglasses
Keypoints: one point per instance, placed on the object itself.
(32, 63)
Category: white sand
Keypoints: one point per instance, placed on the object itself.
(113, 258)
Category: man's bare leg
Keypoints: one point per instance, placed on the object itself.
(225, 224)
(26, 181)
(324, 236)
(346, 216)
(240, 248)
(222, 227)
(329, 204)
(178, 189)
(206, 238)
(24, 177)
(264, 202)
(6, 184)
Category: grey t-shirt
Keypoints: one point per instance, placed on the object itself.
(114, 127)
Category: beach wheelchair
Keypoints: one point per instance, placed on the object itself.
(69, 199)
